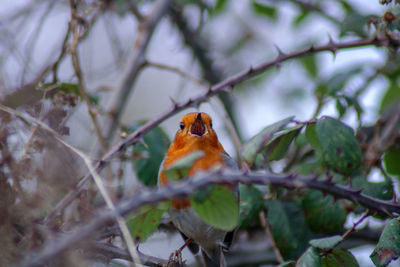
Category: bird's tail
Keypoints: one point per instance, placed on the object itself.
(214, 258)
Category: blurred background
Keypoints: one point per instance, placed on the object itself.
(202, 44)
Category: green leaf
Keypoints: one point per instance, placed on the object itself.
(326, 243)
(264, 10)
(335, 258)
(312, 136)
(381, 190)
(288, 228)
(388, 247)
(310, 64)
(220, 209)
(220, 6)
(259, 141)
(354, 22)
(318, 217)
(287, 264)
(391, 161)
(310, 258)
(337, 81)
(150, 155)
(340, 107)
(180, 168)
(251, 203)
(340, 149)
(144, 222)
(391, 97)
(301, 17)
(339, 258)
(280, 142)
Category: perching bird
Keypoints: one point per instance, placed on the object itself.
(196, 134)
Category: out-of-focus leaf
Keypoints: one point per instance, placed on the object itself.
(335, 258)
(144, 222)
(339, 258)
(259, 141)
(326, 243)
(288, 228)
(337, 81)
(340, 107)
(310, 258)
(220, 209)
(180, 168)
(353, 23)
(265, 10)
(301, 17)
(381, 190)
(391, 97)
(312, 137)
(388, 247)
(320, 218)
(150, 155)
(280, 142)
(340, 150)
(219, 6)
(287, 264)
(391, 161)
(251, 203)
(310, 64)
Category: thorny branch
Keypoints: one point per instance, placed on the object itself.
(223, 86)
(61, 243)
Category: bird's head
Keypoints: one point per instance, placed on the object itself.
(196, 127)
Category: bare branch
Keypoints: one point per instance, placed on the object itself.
(75, 29)
(175, 70)
(136, 62)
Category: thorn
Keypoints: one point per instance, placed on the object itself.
(209, 91)
(331, 42)
(291, 176)
(141, 141)
(312, 48)
(250, 70)
(280, 53)
(227, 89)
(174, 103)
(359, 191)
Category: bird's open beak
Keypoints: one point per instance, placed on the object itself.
(198, 128)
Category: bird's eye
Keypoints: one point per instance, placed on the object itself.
(211, 124)
(182, 125)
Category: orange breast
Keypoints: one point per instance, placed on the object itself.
(212, 156)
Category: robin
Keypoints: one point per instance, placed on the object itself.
(196, 133)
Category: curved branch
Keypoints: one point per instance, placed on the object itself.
(61, 243)
(223, 86)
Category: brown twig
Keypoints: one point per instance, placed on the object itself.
(353, 228)
(264, 224)
(136, 63)
(227, 84)
(30, 47)
(175, 70)
(60, 244)
(113, 252)
(76, 37)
